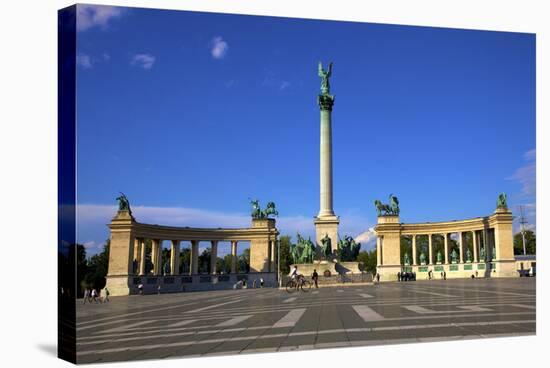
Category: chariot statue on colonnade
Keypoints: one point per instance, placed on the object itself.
(258, 213)
(391, 209)
(501, 201)
(123, 203)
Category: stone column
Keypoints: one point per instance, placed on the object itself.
(414, 249)
(233, 257)
(461, 247)
(430, 250)
(273, 255)
(155, 255)
(474, 243)
(175, 258)
(143, 258)
(326, 162)
(326, 222)
(446, 245)
(378, 251)
(485, 241)
(194, 269)
(137, 250)
(213, 256)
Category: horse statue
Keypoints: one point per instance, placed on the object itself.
(381, 209)
(123, 203)
(394, 205)
(270, 210)
(256, 211)
(501, 201)
(326, 246)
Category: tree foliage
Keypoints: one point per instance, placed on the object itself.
(368, 260)
(530, 242)
(285, 259)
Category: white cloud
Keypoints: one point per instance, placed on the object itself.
(93, 247)
(368, 238)
(89, 16)
(92, 220)
(144, 61)
(219, 48)
(284, 85)
(526, 175)
(84, 61)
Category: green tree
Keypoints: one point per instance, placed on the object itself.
(368, 260)
(227, 263)
(185, 261)
(97, 268)
(285, 259)
(243, 261)
(78, 252)
(204, 261)
(530, 242)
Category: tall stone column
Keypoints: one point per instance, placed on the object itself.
(175, 258)
(446, 245)
(233, 257)
(378, 251)
(430, 250)
(155, 256)
(273, 256)
(326, 222)
(137, 252)
(213, 256)
(194, 269)
(461, 247)
(143, 258)
(474, 243)
(414, 249)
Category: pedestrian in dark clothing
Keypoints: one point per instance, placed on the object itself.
(399, 276)
(315, 277)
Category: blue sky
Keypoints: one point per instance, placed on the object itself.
(190, 114)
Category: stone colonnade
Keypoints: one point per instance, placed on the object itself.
(140, 257)
(492, 244)
(127, 254)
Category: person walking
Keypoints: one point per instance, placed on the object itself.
(261, 282)
(315, 277)
(94, 295)
(106, 295)
(86, 296)
(158, 289)
(377, 278)
(140, 288)
(444, 275)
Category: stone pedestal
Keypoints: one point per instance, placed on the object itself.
(327, 225)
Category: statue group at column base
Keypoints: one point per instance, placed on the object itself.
(328, 267)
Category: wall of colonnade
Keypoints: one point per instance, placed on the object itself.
(129, 256)
(482, 247)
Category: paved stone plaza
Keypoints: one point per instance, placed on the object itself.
(270, 320)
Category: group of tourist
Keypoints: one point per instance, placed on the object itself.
(94, 295)
(406, 276)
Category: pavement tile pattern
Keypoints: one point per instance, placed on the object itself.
(269, 320)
